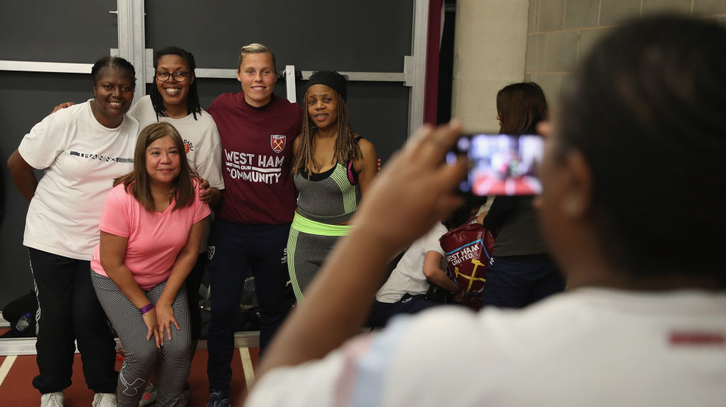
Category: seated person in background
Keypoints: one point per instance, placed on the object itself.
(421, 266)
(642, 325)
(151, 227)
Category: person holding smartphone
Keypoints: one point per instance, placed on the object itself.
(645, 321)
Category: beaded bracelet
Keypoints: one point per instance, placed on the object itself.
(146, 308)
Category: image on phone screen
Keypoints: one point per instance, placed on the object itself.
(501, 164)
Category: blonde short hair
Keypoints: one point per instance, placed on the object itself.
(256, 48)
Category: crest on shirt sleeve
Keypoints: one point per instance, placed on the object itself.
(277, 142)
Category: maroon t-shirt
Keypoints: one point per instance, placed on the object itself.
(256, 158)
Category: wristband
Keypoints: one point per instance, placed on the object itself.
(146, 308)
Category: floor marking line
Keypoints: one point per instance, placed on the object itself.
(5, 368)
(247, 368)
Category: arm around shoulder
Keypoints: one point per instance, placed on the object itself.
(112, 251)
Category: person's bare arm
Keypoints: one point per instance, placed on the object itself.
(367, 165)
(434, 274)
(415, 189)
(185, 261)
(23, 175)
(112, 250)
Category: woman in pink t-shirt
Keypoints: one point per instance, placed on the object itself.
(151, 228)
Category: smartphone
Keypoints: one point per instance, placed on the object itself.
(500, 164)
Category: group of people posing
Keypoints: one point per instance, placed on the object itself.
(116, 225)
(119, 226)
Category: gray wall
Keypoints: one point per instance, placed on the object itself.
(561, 32)
(315, 34)
(489, 52)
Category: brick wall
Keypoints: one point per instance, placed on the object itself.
(560, 32)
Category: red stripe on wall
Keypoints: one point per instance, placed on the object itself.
(433, 41)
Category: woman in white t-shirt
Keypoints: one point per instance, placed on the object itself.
(151, 228)
(81, 149)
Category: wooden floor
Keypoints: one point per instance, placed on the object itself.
(17, 372)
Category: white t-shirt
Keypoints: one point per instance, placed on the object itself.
(201, 139)
(589, 347)
(81, 158)
(408, 276)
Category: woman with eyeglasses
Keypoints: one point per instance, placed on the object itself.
(174, 99)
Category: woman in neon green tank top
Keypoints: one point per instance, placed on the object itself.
(333, 168)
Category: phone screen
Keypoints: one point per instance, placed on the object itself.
(500, 164)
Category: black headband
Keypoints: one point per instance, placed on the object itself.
(330, 79)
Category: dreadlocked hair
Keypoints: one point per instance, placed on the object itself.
(346, 147)
(157, 101)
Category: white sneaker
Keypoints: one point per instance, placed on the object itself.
(52, 399)
(104, 400)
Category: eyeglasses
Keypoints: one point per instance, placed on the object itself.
(179, 76)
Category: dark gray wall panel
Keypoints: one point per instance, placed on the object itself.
(26, 98)
(57, 31)
(371, 35)
(379, 112)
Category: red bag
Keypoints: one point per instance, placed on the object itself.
(468, 249)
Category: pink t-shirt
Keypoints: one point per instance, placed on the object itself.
(155, 239)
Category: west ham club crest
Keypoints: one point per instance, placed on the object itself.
(277, 142)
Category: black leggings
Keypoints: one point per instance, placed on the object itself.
(68, 311)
